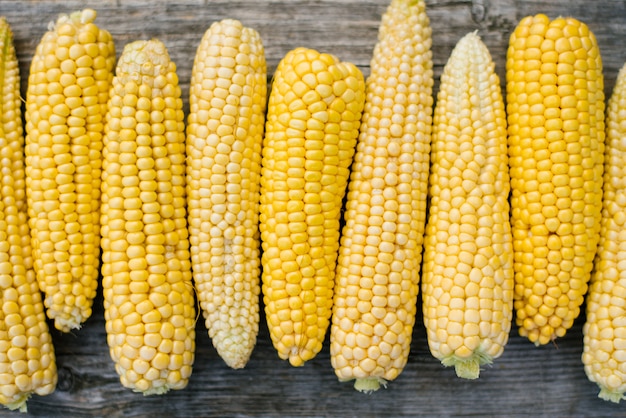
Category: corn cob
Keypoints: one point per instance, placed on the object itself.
(27, 360)
(604, 332)
(224, 136)
(467, 283)
(381, 244)
(68, 87)
(146, 267)
(313, 119)
(555, 112)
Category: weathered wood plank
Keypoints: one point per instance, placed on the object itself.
(347, 28)
(525, 381)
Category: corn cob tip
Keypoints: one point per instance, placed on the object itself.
(610, 395)
(6, 35)
(82, 17)
(70, 323)
(369, 384)
(236, 352)
(144, 58)
(409, 3)
(237, 362)
(155, 390)
(296, 357)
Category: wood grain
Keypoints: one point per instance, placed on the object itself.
(526, 381)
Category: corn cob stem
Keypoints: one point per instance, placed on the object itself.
(468, 367)
(369, 384)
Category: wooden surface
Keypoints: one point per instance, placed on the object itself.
(526, 381)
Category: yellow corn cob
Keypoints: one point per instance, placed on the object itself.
(381, 245)
(313, 119)
(27, 361)
(224, 136)
(146, 267)
(555, 112)
(604, 353)
(467, 283)
(66, 98)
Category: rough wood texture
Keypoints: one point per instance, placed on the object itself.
(526, 381)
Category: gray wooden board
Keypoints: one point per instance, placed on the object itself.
(526, 381)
